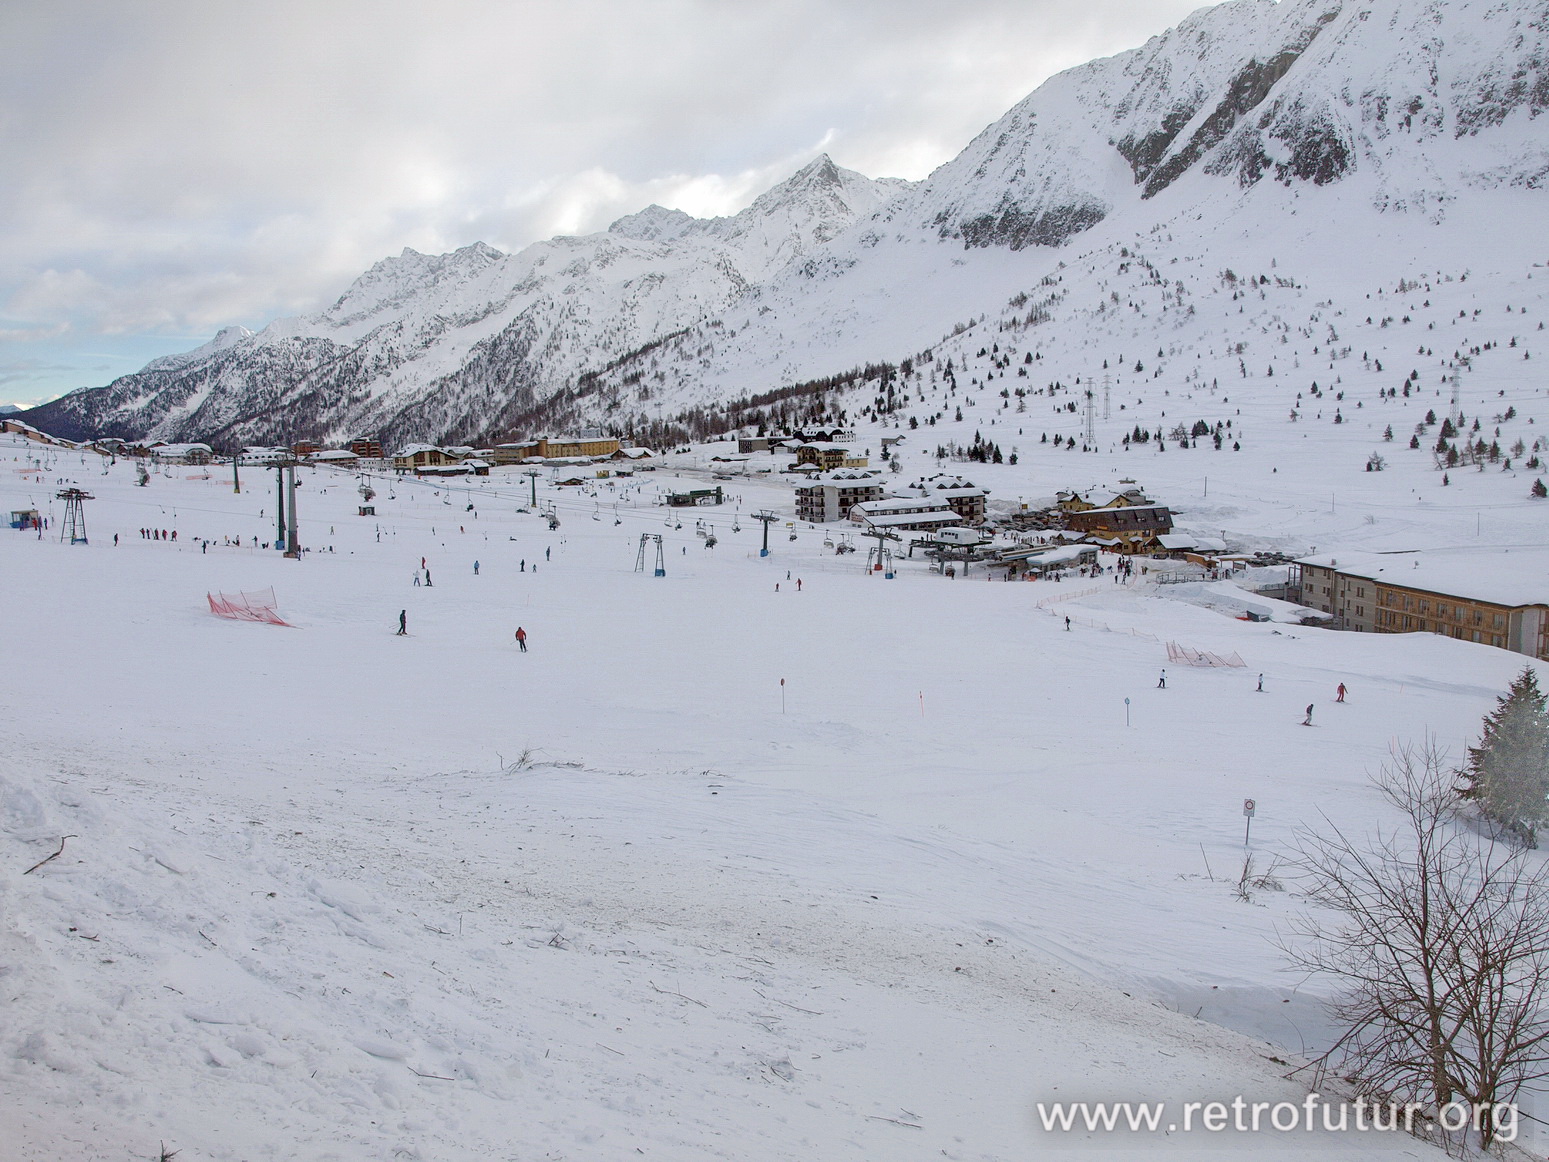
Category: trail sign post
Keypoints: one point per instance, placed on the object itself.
(1248, 808)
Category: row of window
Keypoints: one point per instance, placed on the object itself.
(1411, 603)
(1403, 621)
(1455, 612)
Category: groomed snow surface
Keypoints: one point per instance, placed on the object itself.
(862, 870)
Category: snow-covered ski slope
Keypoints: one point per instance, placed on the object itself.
(332, 893)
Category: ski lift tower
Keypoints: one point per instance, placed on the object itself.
(880, 559)
(286, 535)
(768, 518)
(661, 563)
(75, 515)
(1089, 431)
(532, 475)
(292, 539)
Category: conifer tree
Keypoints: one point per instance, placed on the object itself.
(1508, 772)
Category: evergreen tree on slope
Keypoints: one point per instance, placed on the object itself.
(1508, 772)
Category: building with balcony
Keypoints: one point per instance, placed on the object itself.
(1497, 598)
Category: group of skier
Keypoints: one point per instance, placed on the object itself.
(1339, 691)
(422, 577)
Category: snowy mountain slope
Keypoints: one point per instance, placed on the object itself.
(1214, 148)
(1313, 124)
(1299, 92)
(446, 345)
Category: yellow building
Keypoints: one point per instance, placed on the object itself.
(1074, 502)
(417, 456)
(829, 456)
(1497, 598)
(556, 448)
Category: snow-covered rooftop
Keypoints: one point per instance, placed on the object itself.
(844, 476)
(180, 449)
(891, 520)
(1502, 576)
(913, 504)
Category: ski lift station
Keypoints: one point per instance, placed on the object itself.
(1042, 560)
(960, 537)
(695, 497)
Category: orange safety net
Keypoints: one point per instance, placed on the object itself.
(258, 606)
(1177, 653)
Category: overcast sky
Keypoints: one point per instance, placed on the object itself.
(171, 167)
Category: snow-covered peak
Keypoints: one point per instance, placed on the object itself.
(820, 189)
(654, 224)
(1303, 92)
(394, 279)
(225, 339)
(807, 210)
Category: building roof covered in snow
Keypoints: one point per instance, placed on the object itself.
(895, 504)
(911, 519)
(1512, 577)
(845, 476)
